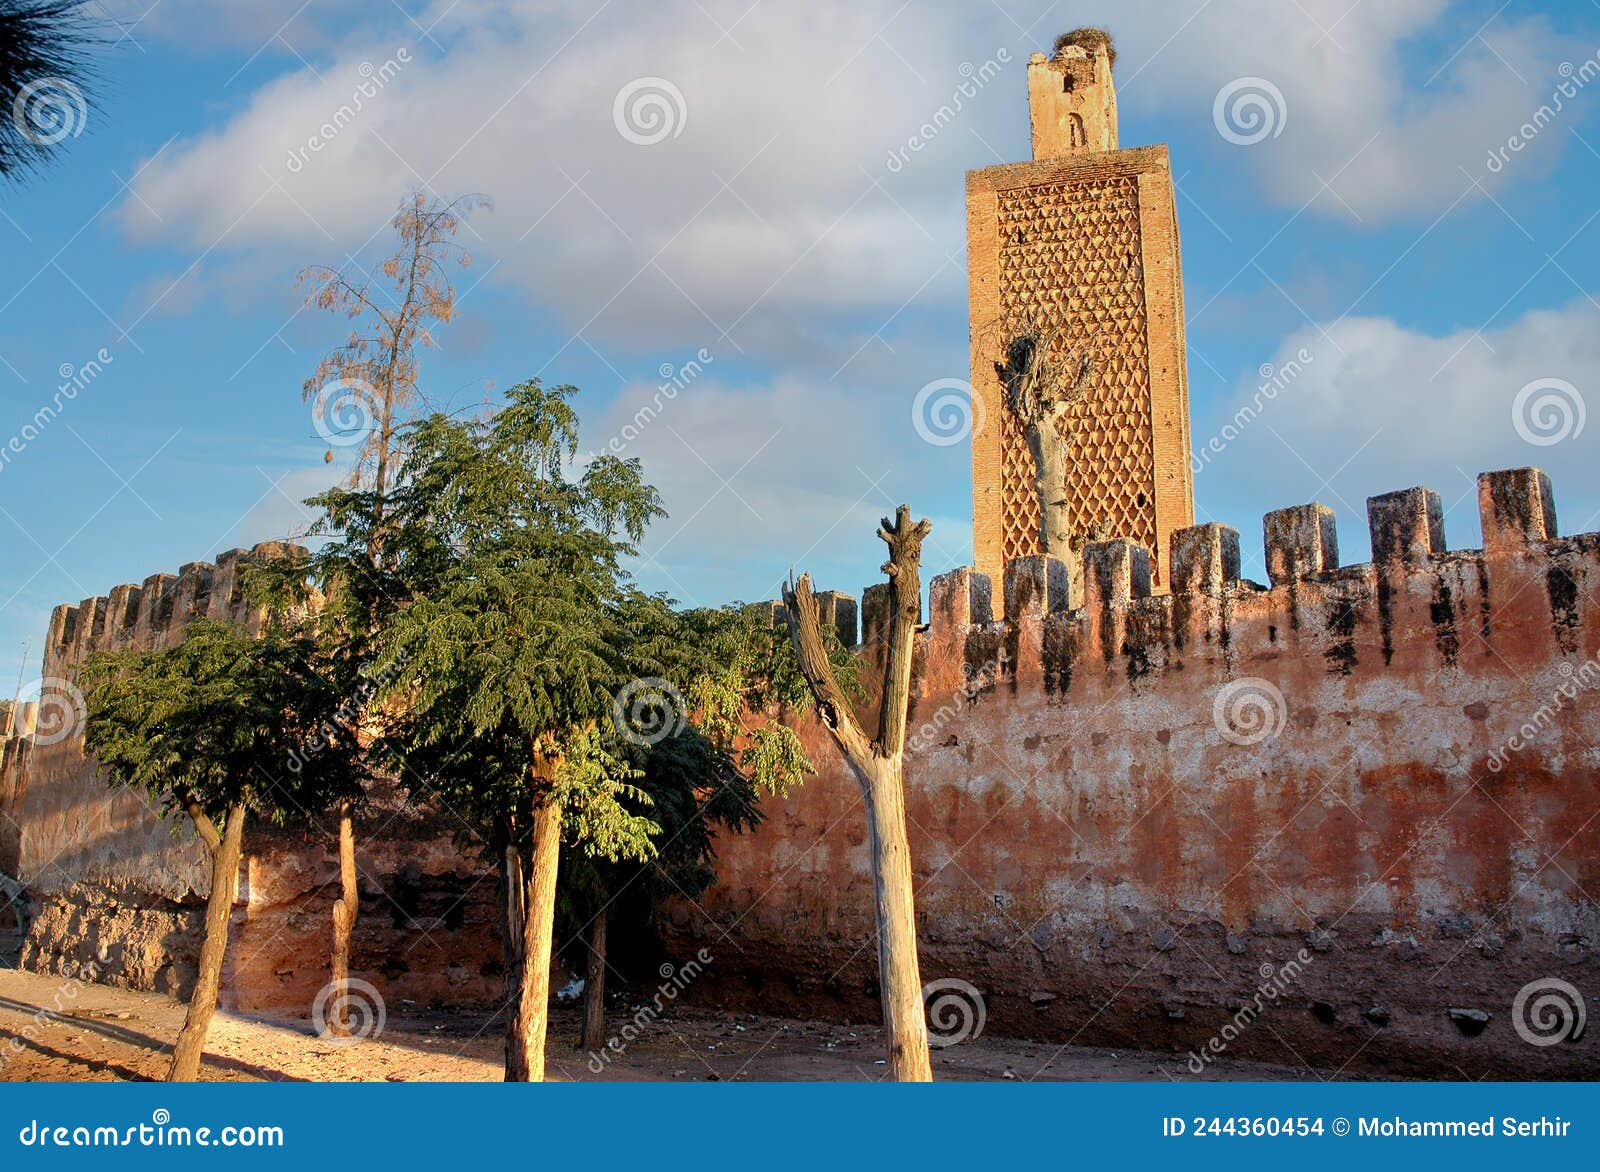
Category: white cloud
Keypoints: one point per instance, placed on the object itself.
(772, 202)
(762, 479)
(1380, 407)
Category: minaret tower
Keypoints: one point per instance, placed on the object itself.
(1081, 246)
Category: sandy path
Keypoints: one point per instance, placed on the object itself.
(54, 1029)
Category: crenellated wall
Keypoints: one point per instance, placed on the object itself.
(110, 879)
(1126, 810)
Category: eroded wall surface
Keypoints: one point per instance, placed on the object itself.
(1129, 814)
(1372, 789)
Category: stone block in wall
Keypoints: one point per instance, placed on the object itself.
(838, 610)
(1406, 526)
(1115, 573)
(875, 607)
(1300, 541)
(155, 610)
(1205, 558)
(1516, 508)
(959, 600)
(1036, 586)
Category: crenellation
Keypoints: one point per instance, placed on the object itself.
(226, 600)
(155, 610)
(1115, 573)
(838, 610)
(190, 597)
(1036, 586)
(63, 622)
(875, 617)
(89, 631)
(958, 601)
(1301, 541)
(1205, 558)
(1407, 526)
(1516, 508)
(123, 621)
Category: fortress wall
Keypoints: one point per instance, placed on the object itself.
(1125, 809)
(110, 878)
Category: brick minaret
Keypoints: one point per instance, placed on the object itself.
(1081, 244)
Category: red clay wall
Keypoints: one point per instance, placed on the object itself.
(1158, 801)
(1125, 812)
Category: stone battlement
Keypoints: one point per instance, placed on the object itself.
(1124, 806)
(1120, 615)
(153, 614)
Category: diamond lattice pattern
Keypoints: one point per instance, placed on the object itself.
(1070, 262)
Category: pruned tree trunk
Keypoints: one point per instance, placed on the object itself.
(1049, 449)
(594, 987)
(878, 767)
(1042, 381)
(511, 947)
(225, 855)
(530, 1013)
(345, 910)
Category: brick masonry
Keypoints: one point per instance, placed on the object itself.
(1083, 241)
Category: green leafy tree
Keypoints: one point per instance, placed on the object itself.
(520, 641)
(210, 727)
(738, 673)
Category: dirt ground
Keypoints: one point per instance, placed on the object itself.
(54, 1029)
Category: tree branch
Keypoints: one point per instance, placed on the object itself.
(833, 706)
(204, 826)
(904, 539)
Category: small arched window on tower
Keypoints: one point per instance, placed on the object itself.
(1076, 138)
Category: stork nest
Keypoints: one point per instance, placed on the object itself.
(1090, 39)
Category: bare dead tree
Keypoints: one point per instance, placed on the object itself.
(878, 765)
(1043, 377)
(375, 375)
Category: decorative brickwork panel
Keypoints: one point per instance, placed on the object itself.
(1070, 266)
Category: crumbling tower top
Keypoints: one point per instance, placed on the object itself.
(1071, 97)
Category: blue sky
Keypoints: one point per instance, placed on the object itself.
(1384, 223)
